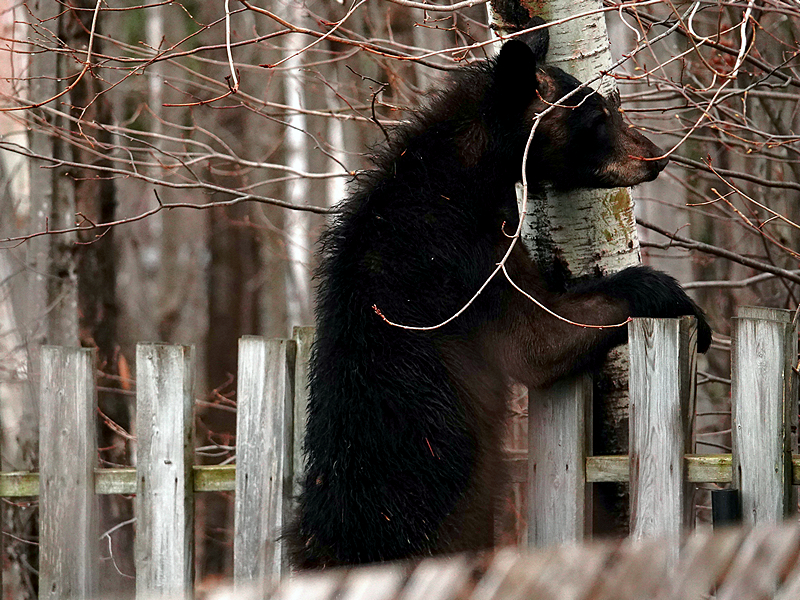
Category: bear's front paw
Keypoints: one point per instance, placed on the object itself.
(651, 293)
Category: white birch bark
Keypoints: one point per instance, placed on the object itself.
(296, 224)
(592, 230)
(17, 408)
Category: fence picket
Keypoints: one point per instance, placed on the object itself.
(164, 506)
(765, 557)
(263, 458)
(662, 376)
(303, 337)
(68, 537)
(559, 436)
(763, 404)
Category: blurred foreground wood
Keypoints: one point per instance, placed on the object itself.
(732, 564)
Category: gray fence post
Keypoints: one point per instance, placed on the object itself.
(263, 459)
(559, 437)
(69, 557)
(662, 383)
(164, 505)
(764, 404)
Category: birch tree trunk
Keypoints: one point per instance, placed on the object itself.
(298, 147)
(18, 409)
(590, 231)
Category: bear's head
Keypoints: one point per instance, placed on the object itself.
(583, 141)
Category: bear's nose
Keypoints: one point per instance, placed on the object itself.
(662, 163)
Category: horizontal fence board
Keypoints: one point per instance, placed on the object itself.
(701, 468)
(214, 478)
(711, 468)
(20, 484)
(122, 480)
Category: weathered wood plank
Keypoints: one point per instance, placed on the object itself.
(701, 468)
(761, 564)
(728, 564)
(636, 572)
(490, 586)
(662, 375)
(311, 586)
(511, 577)
(572, 573)
(703, 562)
(69, 535)
(214, 478)
(606, 469)
(374, 582)
(709, 468)
(263, 458)
(439, 579)
(559, 436)
(304, 338)
(115, 481)
(790, 588)
(19, 484)
(763, 407)
(761, 312)
(164, 504)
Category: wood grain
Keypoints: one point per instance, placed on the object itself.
(558, 441)
(69, 558)
(164, 504)
(662, 376)
(264, 442)
(764, 405)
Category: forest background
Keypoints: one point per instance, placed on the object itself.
(167, 168)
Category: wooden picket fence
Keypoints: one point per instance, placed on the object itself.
(271, 397)
(734, 564)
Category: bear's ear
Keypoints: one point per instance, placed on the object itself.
(515, 74)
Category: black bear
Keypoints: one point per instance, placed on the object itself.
(403, 435)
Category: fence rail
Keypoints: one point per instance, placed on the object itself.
(271, 397)
(700, 468)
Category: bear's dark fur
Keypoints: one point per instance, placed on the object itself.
(404, 427)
